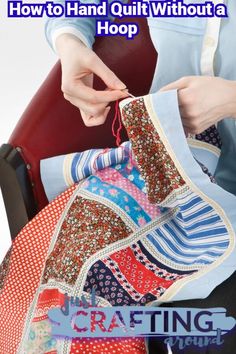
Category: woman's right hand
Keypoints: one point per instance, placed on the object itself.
(79, 63)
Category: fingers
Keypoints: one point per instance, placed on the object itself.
(195, 113)
(92, 115)
(79, 63)
(193, 128)
(77, 84)
(89, 109)
(92, 104)
(81, 91)
(91, 121)
(184, 98)
(193, 125)
(178, 84)
(107, 76)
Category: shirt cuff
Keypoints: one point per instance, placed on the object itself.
(68, 30)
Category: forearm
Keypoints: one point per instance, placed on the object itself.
(66, 42)
(79, 63)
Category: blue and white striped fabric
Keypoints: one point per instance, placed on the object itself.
(60, 172)
(194, 236)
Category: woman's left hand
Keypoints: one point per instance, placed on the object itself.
(204, 100)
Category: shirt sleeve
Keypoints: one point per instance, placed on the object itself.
(83, 28)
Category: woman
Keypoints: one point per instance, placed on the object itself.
(85, 219)
(195, 56)
(200, 49)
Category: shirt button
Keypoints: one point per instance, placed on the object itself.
(209, 41)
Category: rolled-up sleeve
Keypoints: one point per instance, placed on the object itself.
(83, 28)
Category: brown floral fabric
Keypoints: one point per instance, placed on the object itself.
(155, 164)
(87, 228)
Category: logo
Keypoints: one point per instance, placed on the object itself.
(82, 317)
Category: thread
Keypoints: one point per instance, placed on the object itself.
(117, 135)
(117, 118)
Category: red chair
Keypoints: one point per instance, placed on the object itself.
(51, 126)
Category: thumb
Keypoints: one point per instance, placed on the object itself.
(178, 84)
(107, 76)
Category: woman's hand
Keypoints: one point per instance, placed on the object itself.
(204, 100)
(79, 63)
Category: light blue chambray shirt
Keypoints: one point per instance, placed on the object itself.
(179, 42)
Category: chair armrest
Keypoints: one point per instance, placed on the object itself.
(16, 189)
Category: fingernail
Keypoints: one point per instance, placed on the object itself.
(119, 85)
(125, 92)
